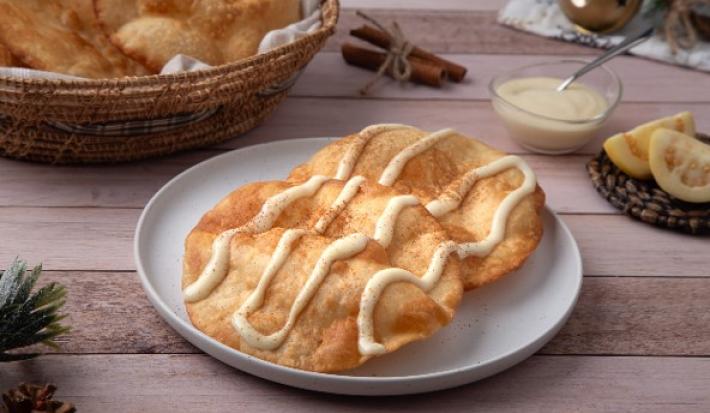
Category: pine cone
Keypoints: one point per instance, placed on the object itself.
(32, 398)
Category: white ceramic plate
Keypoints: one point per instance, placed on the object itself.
(496, 326)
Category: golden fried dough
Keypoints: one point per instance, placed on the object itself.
(6, 58)
(325, 334)
(61, 36)
(213, 31)
(428, 174)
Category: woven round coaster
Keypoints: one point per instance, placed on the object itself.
(645, 201)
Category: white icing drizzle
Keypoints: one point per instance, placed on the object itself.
(256, 298)
(350, 245)
(275, 205)
(377, 284)
(348, 161)
(500, 217)
(396, 164)
(448, 202)
(384, 229)
(440, 207)
(340, 249)
(217, 266)
(457, 191)
(346, 195)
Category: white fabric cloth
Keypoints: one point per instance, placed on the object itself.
(545, 18)
(182, 63)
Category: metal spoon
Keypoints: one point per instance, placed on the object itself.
(622, 47)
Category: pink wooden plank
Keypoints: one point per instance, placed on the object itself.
(637, 316)
(565, 181)
(127, 185)
(101, 239)
(110, 313)
(618, 245)
(69, 238)
(457, 31)
(644, 81)
(140, 383)
(567, 186)
(443, 5)
(309, 117)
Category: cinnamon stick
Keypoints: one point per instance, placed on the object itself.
(422, 71)
(376, 37)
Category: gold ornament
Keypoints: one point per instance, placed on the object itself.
(601, 16)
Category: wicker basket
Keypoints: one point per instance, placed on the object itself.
(114, 120)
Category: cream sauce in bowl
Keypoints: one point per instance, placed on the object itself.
(542, 119)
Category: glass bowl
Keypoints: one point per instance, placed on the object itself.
(549, 135)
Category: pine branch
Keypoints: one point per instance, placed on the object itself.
(28, 318)
(654, 7)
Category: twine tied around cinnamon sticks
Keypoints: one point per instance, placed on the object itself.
(402, 60)
(678, 27)
(396, 61)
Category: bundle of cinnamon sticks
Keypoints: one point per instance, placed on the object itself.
(426, 67)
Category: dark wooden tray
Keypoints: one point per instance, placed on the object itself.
(645, 200)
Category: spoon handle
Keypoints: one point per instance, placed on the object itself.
(621, 48)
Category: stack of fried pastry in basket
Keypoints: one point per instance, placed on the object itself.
(364, 248)
(116, 38)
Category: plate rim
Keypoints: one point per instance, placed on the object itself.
(254, 365)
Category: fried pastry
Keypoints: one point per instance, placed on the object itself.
(6, 58)
(213, 31)
(487, 201)
(321, 274)
(61, 36)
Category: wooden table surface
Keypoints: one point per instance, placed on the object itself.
(638, 340)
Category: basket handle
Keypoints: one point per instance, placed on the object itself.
(283, 86)
(158, 125)
(135, 127)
